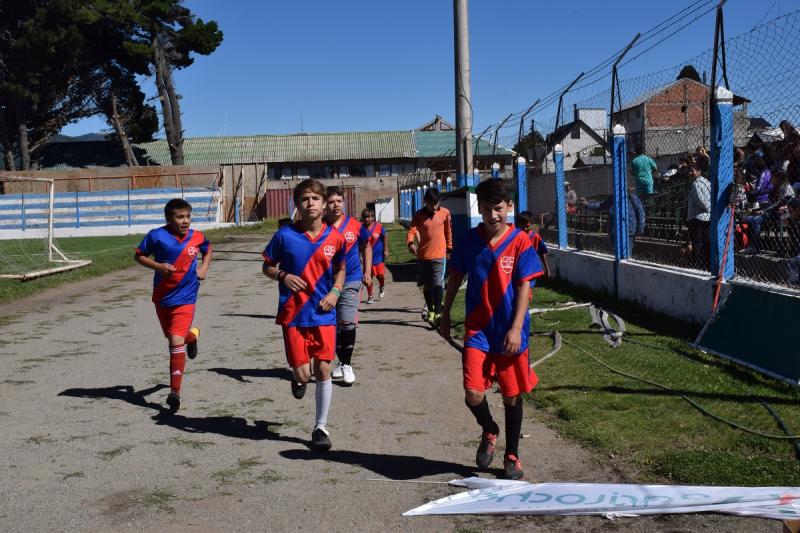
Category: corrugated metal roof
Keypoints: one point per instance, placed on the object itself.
(443, 144)
(288, 148)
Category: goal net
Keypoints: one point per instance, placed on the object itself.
(29, 215)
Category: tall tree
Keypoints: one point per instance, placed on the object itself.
(174, 34)
(688, 71)
(527, 145)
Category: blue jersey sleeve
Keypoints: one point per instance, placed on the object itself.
(363, 236)
(542, 248)
(147, 246)
(528, 265)
(339, 256)
(273, 253)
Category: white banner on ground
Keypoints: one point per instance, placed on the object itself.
(489, 496)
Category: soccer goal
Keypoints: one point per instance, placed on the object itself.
(28, 247)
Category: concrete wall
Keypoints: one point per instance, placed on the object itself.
(678, 294)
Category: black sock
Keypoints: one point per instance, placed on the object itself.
(345, 342)
(513, 427)
(484, 417)
(428, 298)
(438, 292)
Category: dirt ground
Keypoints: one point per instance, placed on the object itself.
(87, 446)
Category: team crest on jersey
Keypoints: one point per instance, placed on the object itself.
(192, 251)
(349, 236)
(507, 264)
(329, 251)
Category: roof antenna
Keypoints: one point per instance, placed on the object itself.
(301, 123)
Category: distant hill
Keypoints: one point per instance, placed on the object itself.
(79, 138)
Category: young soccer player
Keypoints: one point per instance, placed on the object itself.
(500, 264)
(356, 242)
(431, 226)
(380, 251)
(175, 248)
(525, 223)
(306, 258)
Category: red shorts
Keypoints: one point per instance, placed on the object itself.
(304, 342)
(176, 320)
(379, 269)
(512, 372)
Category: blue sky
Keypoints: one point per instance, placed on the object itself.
(353, 65)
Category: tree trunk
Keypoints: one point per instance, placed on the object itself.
(119, 129)
(8, 150)
(163, 79)
(22, 142)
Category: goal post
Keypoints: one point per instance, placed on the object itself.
(28, 247)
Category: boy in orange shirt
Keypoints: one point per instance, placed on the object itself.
(432, 228)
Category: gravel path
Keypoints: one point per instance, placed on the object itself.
(86, 445)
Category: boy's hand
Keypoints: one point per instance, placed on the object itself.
(386, 253)
(201, 273)
(444, 326)
(513, 341)
(329, 302)
(294, 283)
(166, 269)
(367, 278)
(412, 248)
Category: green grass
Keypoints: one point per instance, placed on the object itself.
(108, 254)
(653, 432)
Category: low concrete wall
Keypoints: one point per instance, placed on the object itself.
(685, 296)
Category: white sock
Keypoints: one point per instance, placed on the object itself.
(322, 394)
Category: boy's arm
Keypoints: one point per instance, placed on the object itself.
(367, 263)
(294, 283)
(413, 232)
(202, 270)
(385, 238)
(453, 284)
(448, 235)
(164, 268)
(546, 266)
(513, 340)
(329, 302)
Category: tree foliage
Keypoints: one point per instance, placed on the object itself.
(688, 71)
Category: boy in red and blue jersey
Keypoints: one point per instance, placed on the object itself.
(525, 223)
(175, 248)
(380, 251)
(307, 260)
(501, 265)
(357, 243)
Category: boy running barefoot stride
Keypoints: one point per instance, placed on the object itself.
(500, 263)
(175, 284)
(306, 258)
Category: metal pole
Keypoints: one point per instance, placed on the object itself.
(561, 99)
(494, 143)
(522, 121)
(52, 194)
(615, 84)
(462, 87)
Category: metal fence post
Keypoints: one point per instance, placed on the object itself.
(495, 170)
(620, 162)
(561, 200)
(721, 181)
(418, 199)
(522, 184)
(77, 212)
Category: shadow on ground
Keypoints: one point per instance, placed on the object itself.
(227, 426)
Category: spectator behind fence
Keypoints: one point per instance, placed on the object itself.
(698, 216)
(636, 216)
(763, 180)
(701, 159)
(572, 198)
(644, 168)
(782, 192)
(792, 225)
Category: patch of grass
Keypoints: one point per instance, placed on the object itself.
(191, 443)
(225, 477)
(187, 463)
(269, 476)
(72, 475)
(159, 498)
(113, 454)
(654, 432)
(18, 382)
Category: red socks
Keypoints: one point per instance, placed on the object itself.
(369, 290)
(177, 364)
(380, 281)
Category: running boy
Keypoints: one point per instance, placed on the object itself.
(431, 227)
(356, 242)
(525, 223)
(306, 258)
(500, 264)
(380, 251)
(175, 284)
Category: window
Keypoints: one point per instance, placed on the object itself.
(344, 171)
(357, 171)
(384, 170)
(397, 169)
(369, 171)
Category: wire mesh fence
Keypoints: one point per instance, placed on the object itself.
(667, 117)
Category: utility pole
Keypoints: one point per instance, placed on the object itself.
(463, 96)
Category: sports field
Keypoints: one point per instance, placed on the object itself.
(89, 445)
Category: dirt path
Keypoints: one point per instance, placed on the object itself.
(85, 445)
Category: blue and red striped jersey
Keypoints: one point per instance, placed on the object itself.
(180, 287)
(538, 243)
(377, 238)
(493, 274)
(355, 236)
(313, 259)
